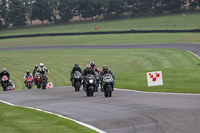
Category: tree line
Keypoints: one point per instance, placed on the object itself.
(18, 12)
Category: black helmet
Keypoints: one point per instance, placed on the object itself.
(36, 66)
(27, 72)
(105, 68)
(76, 65)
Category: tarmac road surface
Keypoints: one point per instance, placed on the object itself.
(126, 111)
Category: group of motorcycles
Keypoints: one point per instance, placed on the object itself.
(91, 83)
(39, 81)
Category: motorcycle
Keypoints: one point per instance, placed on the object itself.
(97, 82)
(29, 81)
(5, 81)
(76, 80)
(107, 84)
(42, 81)
(35, 79)
(89, 85)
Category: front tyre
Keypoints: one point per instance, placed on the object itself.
(77, 86)
(43, 84)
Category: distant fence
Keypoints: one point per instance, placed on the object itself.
(102, 32)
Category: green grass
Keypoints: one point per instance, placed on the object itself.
(170, 22)
(23, 120)
(104, 39)
(180, 68)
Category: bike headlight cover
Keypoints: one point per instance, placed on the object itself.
(91, 81)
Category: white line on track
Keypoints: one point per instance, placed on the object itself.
(165, 93)
(78, 122)
(194, 54)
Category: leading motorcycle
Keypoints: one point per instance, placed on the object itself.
(89, 84)
(42, 81)
(107, 84)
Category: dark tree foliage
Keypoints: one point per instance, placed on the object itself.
(65, 10)
(17, 13)
(42, 10)
(4, 14)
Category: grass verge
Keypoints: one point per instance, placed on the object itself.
(180, 68)
(23, 120)
(104, 39)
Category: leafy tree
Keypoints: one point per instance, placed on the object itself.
(65, 10)
(42, 10)
(173, 6)
(17, 13)
(29, 6)
(4, 14)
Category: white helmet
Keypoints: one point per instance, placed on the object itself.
(41, 64)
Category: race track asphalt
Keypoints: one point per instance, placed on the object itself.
(126, 111)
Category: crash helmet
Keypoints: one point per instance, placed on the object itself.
(76, 65)
(88, 67)
(41, 64)
(27, 72)
(4, 70)
(92, 63)
(105, 67)
(36, 66)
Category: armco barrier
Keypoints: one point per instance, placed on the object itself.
(102, 32)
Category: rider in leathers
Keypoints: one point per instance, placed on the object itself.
(35, 70)
(87, 71)
(4, 72)
(42, 70)
(93, 66)
(105, 70)
(74, 69)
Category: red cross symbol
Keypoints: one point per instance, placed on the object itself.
(154, 78)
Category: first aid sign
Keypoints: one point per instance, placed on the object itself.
(154, 78)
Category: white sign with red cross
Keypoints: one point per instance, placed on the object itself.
(49, 85)
(154, 78)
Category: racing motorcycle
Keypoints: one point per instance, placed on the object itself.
(89, 85)
(97, 82)
(35, 79)
(42, 81)
(29, 81)
(5, 81)
(76, 80)
(107, 84)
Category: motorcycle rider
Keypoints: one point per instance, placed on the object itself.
(93, 66)
(105, 70)
(74, 69)
(35, 70)
(4, 72)
(11, 85)
(34, 74)
(87, 71)
(26, 75)
(42, 69)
